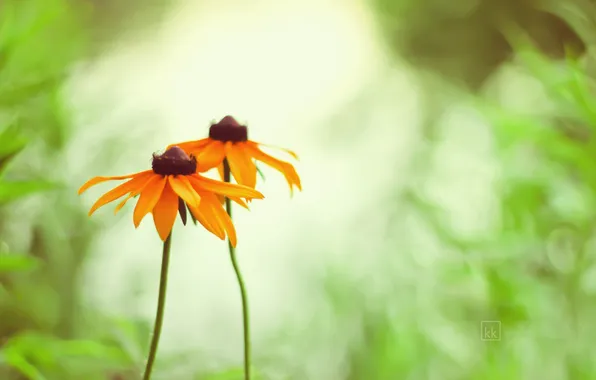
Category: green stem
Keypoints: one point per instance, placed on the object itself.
(161, 303)
(243, 294)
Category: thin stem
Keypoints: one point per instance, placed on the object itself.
(161, 303)
(243, 294)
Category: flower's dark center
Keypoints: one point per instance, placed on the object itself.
(174, 161)
(228, 129)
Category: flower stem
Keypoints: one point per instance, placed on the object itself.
(243, 294)
(161, 303)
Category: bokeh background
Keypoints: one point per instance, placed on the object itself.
(447, 157)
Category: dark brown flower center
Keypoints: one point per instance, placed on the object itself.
(228, 129)
(174, 161)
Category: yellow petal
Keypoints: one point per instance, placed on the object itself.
(191, 147)
(221, 198)
(134, 184)
(210, 156)
(283, 167)
(184, 189)
(225, 221)
(290, 152)
(148, 199)
(241, 165)
(130, 195)
(220, 217)
(121, 204)
(165, 212)
(96, 180)
(239, 201)
(205, 216)
(202, 184)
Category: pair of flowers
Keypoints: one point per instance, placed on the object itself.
(174, 184)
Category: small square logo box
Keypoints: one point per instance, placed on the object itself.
(490, 330)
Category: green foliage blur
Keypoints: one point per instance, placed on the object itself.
(43, 334)
(534, 272)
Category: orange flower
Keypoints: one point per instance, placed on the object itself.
(164, 191)
(228, 140)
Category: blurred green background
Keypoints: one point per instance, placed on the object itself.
(447, 224)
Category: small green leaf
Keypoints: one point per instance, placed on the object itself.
(260, 173)
(10, 138)
(90, 349)
(11, 143)
(47, 352)
(11, 190)
(25, 368)
(5, 159)
(19, 93)
(17, 361)
(17, 263)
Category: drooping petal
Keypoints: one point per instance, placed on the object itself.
(222, 217)
(135, 184)
(132, 194)
(191, 146)
(222, 199)
(290, 152)
(241, 165)
(96, 180)
(215, 219)
(165, 211)
(210, 155)
(202, 184)
(205, 216)
(283, 167)
(148, 199)
(184, 189)
(239, 201)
